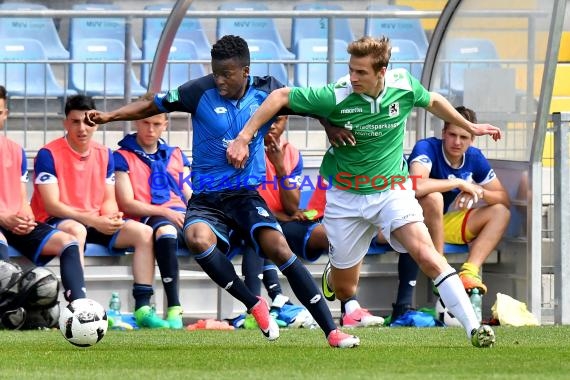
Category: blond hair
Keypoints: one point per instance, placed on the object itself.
(378, 48)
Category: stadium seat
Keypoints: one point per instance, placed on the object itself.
(100, 79)
(318, 27)
(405, 53)
(23, 77)
(266, 50)
(99, 27)
(41, 29)
(397, 28)
(175, 74)
(190, 29)
(251, 28)
(315, 49)
(461, 54)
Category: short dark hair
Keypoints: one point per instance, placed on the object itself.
(3, 92)
(467, 113)
(231, 47)
(79, 103)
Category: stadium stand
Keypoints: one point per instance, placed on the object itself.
(100, 79)
(252, 28)
(318, 27)
(266, 50)
(462, 54)
(397, 28)
(99, 27)
(22, 76)
(190, 29)
(405, 53)
(174, 73)
(316, 50)
(41, 29)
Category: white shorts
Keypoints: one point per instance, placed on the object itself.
(352, 220)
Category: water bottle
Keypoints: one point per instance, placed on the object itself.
(476, 301)
(114, 313)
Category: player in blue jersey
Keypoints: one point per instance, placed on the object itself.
(225, 198)
(463, 200)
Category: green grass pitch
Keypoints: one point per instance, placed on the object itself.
(384, 353)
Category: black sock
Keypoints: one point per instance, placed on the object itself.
(407, 273)
(220, 269)
(251, 267)
(4, 252)
(165, 253)
(271, 279)
(71, 271)
(142, 294)
(307, 292)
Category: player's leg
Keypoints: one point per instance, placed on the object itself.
(165, 249)
(349, 235)
(205, 230)
(485, 227)
(432, 207)
(138, 236)
(74, 228)
(64, 245)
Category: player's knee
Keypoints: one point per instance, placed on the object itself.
(167, 229)
(77, 230)
(431, 202)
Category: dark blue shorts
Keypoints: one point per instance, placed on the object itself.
(297, 234)
(242, 211)
(93, 236)
(158, 221)
(32, 244)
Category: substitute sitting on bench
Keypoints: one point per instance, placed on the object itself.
(463, 200)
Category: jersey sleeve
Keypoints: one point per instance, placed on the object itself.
(483, 173)
(110, 177)
(121, 165)
(423, 154)
(183, 99)
(44, 168)
(24, 178)
(318, 101)
(421, 95)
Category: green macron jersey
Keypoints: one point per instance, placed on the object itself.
(377, 161)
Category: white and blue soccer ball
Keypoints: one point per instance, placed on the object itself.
(445, 316)
(83, 322)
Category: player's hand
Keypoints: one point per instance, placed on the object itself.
(237, 152)
(273, 150)
(469, 198)
(340, 136)
(487, 129)
(175, 217)
(92, 118)
(108, 224)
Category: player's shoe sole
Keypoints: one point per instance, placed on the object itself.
(327, 291)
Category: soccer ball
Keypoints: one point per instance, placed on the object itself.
(445, 316)
(83, 322)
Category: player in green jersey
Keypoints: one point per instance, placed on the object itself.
(371, 189)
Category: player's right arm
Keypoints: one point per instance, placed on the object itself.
(140, 109)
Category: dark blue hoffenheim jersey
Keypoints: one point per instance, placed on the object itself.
(475, 167)
(216, 121)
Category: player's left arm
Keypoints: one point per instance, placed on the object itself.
(494, 193)
(109, 205)
(440, 107)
